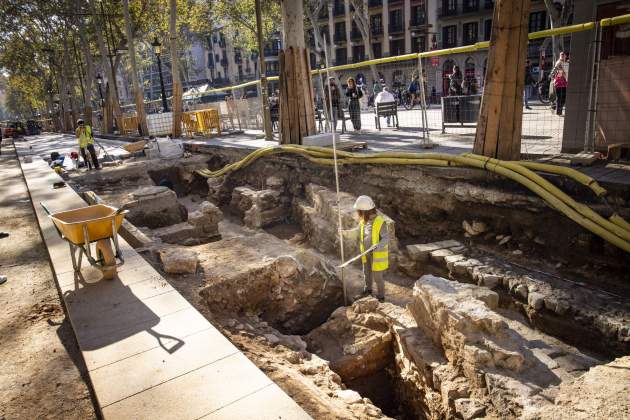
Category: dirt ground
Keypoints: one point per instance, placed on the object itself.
(42, 374)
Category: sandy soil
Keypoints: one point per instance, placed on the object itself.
(42, 374)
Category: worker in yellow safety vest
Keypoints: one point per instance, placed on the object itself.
(372, 234)
(86, 144)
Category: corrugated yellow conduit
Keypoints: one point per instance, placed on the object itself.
(615, 230)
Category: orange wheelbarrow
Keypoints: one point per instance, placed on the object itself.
(97, 224)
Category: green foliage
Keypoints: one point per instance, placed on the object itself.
(239, 21)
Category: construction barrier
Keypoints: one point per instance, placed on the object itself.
(592, 105)
(201, 122)
(129, 125)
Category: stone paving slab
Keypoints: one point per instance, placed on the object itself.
(149, 353)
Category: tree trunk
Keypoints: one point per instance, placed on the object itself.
(137, 88)
(362, 18)
(105, 64)
(500, 120)
(177, 86)
(297, 114)
(89, 64)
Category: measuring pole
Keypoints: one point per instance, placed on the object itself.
(426, 140)
(334, 144)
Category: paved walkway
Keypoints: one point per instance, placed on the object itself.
(149, 353)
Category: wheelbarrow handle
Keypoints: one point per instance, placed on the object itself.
(45, 208)
(49, 213)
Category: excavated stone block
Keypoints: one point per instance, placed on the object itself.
(156, 207)
(420, 252)
(207, 217)
(461, 267)
(469, 408)
(259, 208)
(536, 300)
(439, 255)
(175, 234)
(489, 280)
(179, 260)
(452, 259)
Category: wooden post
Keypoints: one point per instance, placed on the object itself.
(297, 114)
(500, 120)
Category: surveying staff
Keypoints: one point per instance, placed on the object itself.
(86, 141)
(372, 233)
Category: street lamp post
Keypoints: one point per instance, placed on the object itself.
(99, 82)
(157, 48)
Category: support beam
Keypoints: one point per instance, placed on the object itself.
(500, 121)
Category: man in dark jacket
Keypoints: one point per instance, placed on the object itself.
(333, 95)
(529, 83)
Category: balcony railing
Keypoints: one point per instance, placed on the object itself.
(470, 6)
(396, 27)
(418, 21)
(377, 30)
(470, 40)
(340, 36)
(446, 12)
(375, 3)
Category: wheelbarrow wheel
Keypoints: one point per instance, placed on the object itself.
(105, 255)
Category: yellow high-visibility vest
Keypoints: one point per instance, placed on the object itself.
(380, 257)
(85, 138)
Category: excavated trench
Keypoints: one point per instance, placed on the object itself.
(275, 266)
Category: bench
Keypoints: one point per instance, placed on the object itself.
(385, 109)
(320, 117)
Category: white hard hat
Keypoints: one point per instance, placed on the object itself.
(364, 203)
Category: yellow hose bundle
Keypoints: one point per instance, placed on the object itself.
(614, 230)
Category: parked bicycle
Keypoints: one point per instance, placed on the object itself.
(542, 90)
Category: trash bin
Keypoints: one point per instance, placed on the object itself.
(460, 110)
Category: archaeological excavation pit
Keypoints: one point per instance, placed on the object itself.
(470, 327)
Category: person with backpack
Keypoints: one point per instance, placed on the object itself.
(86, 144)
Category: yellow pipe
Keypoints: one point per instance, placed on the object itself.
(568, 172)
(619, 221)
(555, 191)
(563, 30)
(444, 159)
(617, 20)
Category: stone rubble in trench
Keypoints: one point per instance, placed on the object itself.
(451, 353)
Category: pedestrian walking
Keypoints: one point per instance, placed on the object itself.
(86, 144)
(560, 84)
(529, 82)
(455, 82)
(354, 94)
(332, 95)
